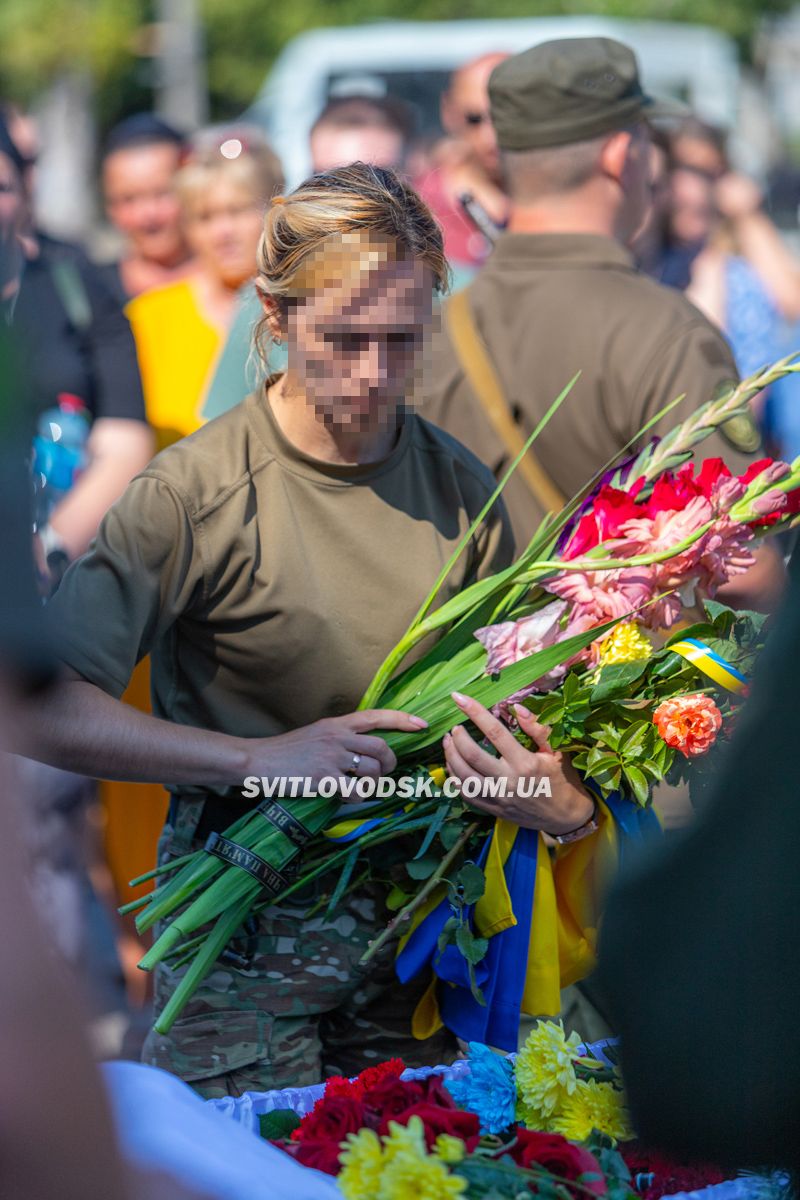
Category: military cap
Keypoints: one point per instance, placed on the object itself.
(570, 90)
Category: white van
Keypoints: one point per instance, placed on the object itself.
(413, 60)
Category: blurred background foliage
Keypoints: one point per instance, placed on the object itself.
(114, 41)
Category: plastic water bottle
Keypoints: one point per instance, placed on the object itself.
(59, 452)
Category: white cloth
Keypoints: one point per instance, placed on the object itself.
(162, 1124)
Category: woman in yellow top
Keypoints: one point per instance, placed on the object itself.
(181, 329)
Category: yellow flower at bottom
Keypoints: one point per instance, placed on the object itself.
(593, 1106)
(449, 1149)
(411, 1177)
(362, 1165)
(404, 1139)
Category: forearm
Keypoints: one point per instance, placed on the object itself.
(762, 246)
(79, 728)
(116, 456)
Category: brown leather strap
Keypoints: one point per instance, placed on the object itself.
(483, 380)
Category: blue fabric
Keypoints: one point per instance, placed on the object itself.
(499, 976)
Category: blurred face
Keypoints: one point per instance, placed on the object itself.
(356, 351)
(141, 201)
(223, 226)
(332, 147)
(700, 155)
(691, 207)
(465, 114)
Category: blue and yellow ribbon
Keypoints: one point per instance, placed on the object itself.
(711, 664)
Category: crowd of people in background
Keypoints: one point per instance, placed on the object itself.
(157, 342)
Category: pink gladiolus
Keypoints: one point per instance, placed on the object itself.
(654, 535)
(600, 595)
(510, 641)
(725, 493)
(724, 554)
(769, 502)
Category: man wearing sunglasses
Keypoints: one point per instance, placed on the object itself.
(467, 164)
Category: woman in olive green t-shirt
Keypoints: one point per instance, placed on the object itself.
(268, 563)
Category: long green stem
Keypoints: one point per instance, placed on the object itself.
(405, 914)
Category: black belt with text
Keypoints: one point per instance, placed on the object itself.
(287, 824)
(239, 856)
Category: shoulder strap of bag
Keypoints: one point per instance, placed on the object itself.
(482, 377)
(72, 293)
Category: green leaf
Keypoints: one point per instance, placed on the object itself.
(343, 880)
(447, 936)
(616, 678)
(433, 829)
(396, 899)
(450, 833)
(278, 1125)
(473, 948)
(470, 884)
(634, 737)
(639, 785)
(422, 868)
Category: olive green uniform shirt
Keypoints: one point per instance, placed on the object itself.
(268, 586)
(549, 305)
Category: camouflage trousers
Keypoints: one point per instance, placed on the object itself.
(294, 1007)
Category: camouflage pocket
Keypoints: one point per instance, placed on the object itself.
(210, 1044)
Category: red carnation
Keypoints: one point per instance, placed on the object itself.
(331, 1119)
(438, 1120)
(371, 1076)
(556, 1154)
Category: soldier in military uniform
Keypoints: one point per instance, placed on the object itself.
(268, 563)
(560, 294)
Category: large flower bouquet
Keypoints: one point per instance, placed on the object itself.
(552, 1122)
(575, 630)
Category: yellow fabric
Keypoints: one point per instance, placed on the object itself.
(178, 350)
(567, 904)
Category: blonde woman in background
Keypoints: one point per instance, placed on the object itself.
(181, 329)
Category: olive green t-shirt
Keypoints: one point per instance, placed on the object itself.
(268, 586)
(549, 305)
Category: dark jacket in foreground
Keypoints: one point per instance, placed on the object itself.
(700, 953)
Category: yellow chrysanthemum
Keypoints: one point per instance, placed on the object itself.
(593, 1106)
(404, 1139)
(532, 1117)
(362, 1165)
(449, 1149)
(411, 1177)
(625, 643)
(545, 1071)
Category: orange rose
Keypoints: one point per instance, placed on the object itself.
(688, 723)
